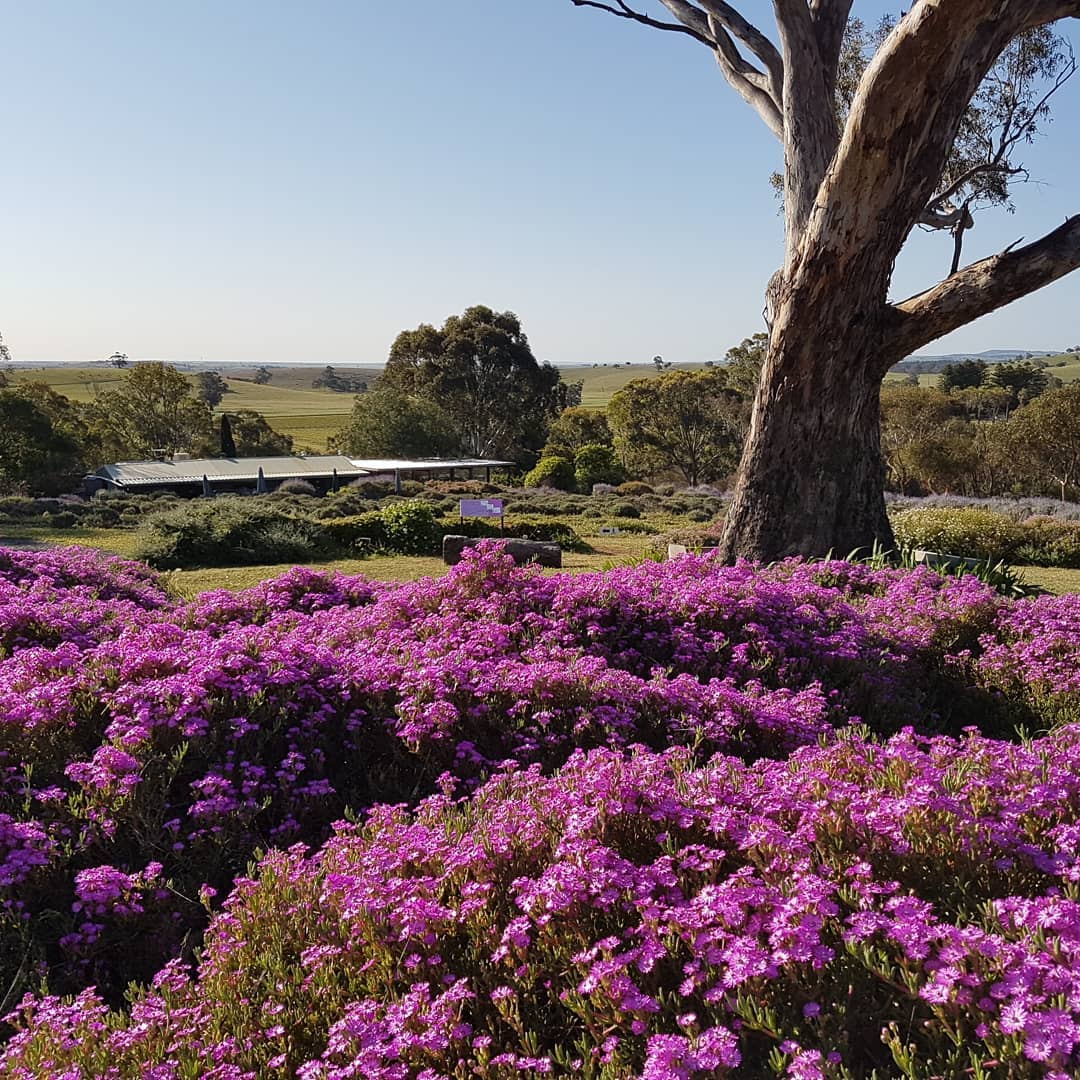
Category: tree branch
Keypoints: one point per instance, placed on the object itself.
(983, 287)
(810, 129)
(939, 202)
(753, 39)
(757, 88)
(762, 90)
(746, 80)
(905, 116)
(622, 11)
(939, 212)
(830, 18)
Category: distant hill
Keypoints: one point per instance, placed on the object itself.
(924, 365)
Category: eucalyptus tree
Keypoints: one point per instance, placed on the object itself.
(479, 370)
(919, 134)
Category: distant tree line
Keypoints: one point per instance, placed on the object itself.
(331, 379)
(986, 429)
(48, 442)
(473, 387)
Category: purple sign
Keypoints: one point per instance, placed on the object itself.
(481, 508)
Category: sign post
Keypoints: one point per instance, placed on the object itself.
(481, 508)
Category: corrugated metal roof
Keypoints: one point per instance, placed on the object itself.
(192, 470)
(392, 465)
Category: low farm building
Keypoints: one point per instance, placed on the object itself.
(206, 476)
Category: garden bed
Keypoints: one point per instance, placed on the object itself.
(669, 820)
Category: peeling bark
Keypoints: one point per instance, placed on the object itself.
(812, 476)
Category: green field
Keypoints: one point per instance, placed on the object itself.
(293, 407)
(599, 383)
(311, 417)
(288, 402)
(1068, 372)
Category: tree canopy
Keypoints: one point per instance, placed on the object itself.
(576, 427)
(155, 408)
(1023, 379)
(1047, 433)
(479, 370)
(743, 363)
(388, 422)
(211, 387)
(962, 375)
(35, 454)
(252, 435)
(683, 421)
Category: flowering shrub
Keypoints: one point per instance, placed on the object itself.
(524, 528)
(1050, 541)
(228, 531)
(686, 823)
(1016, 508)
(970, 532)
(905, 907)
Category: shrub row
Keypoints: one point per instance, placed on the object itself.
(229, 532)
(984, 534)
(243, 532)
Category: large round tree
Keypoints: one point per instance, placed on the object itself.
(480, 372)
(881, 134)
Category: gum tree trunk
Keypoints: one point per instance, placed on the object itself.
(812, 477)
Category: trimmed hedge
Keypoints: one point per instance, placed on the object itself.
(1050, 542)
(405, 528)
(984, 534)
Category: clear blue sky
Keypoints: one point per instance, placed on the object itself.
(298, 182)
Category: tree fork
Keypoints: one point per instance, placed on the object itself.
(812, 477)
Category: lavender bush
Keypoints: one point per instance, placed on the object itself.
(1018, 508)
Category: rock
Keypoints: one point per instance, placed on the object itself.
(937, 560)
(522, 551)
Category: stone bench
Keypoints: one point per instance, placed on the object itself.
(522, 551)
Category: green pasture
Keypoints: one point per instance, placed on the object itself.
(289, 390)
(1069, 371)
(293, 407)
(310, 432)
(312, 417)
(599, 383)
(288, 402)
(299, 377)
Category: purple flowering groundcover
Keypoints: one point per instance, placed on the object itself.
(671, 821)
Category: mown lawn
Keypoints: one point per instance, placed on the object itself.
(608, 550)
(1052, 579)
